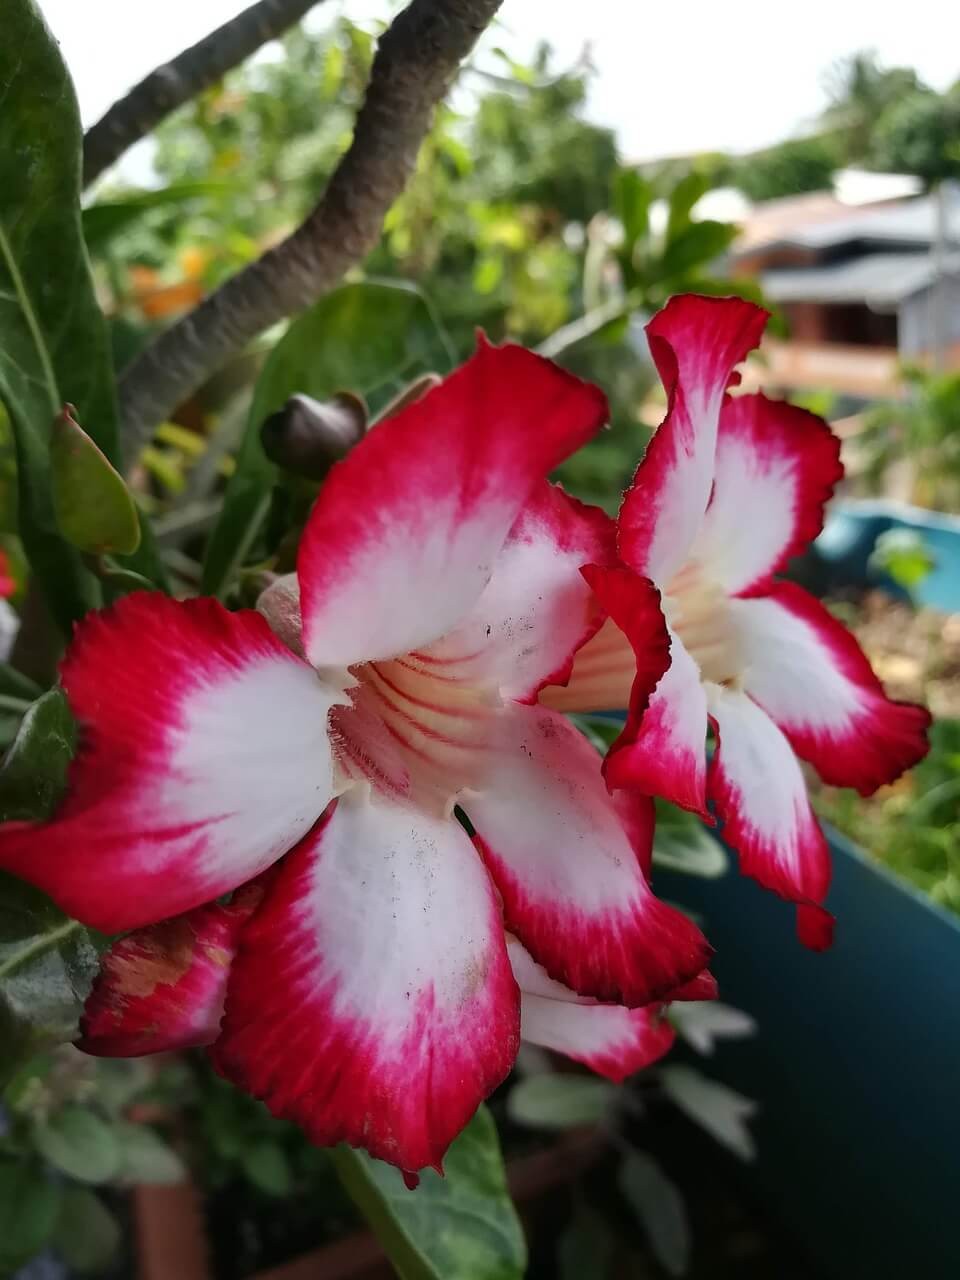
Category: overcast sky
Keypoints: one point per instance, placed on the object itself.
(690, 75)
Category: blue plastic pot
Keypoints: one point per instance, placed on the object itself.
(856, 1065)
(852, 529)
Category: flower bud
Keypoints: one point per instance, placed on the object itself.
(308, 436)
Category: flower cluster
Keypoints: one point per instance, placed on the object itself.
(351, 840)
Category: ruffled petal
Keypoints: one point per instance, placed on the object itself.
(696, 342)
(633, 605)
(408, 527)
(536, 610)
(812, 678)
(776, 466)
(758, 789)
(372, 1000)
(569, 870)
(703, 987)
(163, 987)
(204, 757)
(664, 753)
(608, 1038)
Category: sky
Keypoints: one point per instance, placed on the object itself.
(671, 78)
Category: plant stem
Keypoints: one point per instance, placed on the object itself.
(176, 82)
(415, 62)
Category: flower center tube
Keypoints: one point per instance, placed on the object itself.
(698, 611)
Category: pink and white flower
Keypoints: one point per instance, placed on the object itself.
(164, 987)
(371, 997)
(729, 490)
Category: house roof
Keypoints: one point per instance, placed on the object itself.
(820, 221)
(881, 280)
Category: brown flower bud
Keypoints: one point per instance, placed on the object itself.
(308, 436)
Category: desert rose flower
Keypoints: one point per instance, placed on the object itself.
(730, 489)
(372, 998)
(164, 987)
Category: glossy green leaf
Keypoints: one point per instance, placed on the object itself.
(86, 1234)
(34, 772)
(29, 1204)
(660, 1210)
(459, 1227)
(370, 338)
(79, 1143)
(145, 1157)
(47, 964)
(52, 333)
(94, 508)
(560, 1101)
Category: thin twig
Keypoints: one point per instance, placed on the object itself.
(416, 59)
(176, 82)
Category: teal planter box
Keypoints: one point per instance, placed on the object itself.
(856, 1065)
(852, 529)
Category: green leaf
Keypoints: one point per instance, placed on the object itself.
(47, 960)
(105, 219)
(560, 1101)
(370, 338)
(52, 333)
(86, 1235)
(13, 684)
(682, 843)
(460, 1227)
(632, 197)
(682, 199)
(93, 506)
(696, 246)
(34, 773)
(29, 1203)
(266, 1165)
(659, 1208)
(80, 1143)
(721, 1111)
(585, 1249)
(145, 1157)
(47, 963)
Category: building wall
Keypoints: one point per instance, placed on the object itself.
(848, 323)
(917, 321)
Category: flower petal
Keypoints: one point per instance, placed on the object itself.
(372, 1001)
(779, 463)
(536, 610)
(163, 987)
(608, 1038)
(703, 987)
(572, 880)
(204, 757)
(407, 528)
(664, 753)
(633, 606)
(695, 342)
(812, 678)
(758, 789)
